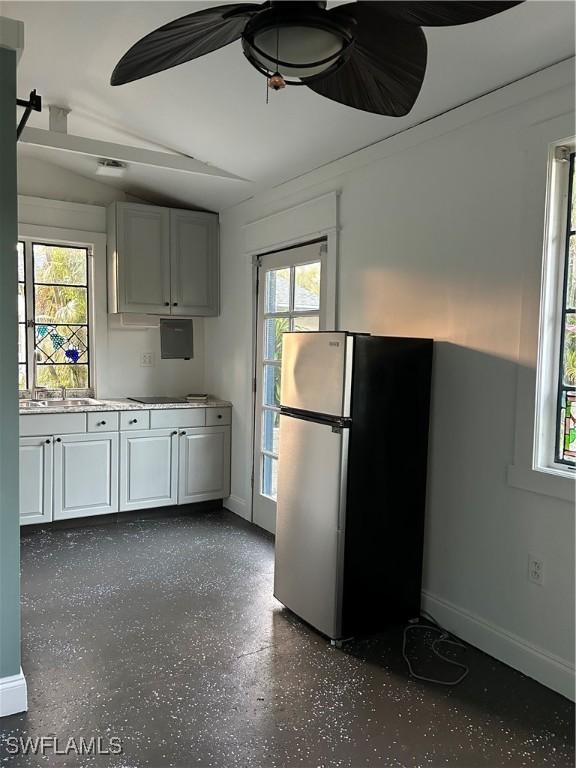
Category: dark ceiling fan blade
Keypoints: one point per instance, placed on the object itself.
(432, 14)
(385, 69)
(184, 39)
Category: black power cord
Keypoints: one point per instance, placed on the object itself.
(443, 637)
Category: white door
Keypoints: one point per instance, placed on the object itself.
(291, 297)
(148, 468)
(204, 464)
(35, 480)
(194, 263)
(85, 475)
(143, 240)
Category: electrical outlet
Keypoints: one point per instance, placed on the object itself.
(146, 359)
(535, 569)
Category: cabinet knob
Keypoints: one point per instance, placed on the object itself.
(166, 303)
(48, 441)
(182, 433)
(174, 433)
(101, 424)
(175, 304)
(58, 439)
(133, 421)
(219, 415)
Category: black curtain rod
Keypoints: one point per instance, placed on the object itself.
(34, 103)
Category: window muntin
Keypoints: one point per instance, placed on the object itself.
(566, 406)
(55, 346)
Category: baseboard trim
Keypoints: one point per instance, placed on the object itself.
(547, 668)
(238, 506)
(13, 694)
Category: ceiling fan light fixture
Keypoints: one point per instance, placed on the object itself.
(299, 48)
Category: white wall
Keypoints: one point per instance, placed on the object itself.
(432, 244)
(62, 199)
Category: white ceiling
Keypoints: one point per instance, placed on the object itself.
(215, 108)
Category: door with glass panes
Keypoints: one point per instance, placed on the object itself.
(291, 297)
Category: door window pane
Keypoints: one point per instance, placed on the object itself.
(270, 431)
(269, 476)
(274, 327)
(307, 287)
(277, 290)
(271, 393)
(59, 264)
(311, 323)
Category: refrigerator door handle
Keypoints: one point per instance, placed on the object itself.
(318, 418)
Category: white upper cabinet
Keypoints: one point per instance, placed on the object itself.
(162, 261)
(194, 263)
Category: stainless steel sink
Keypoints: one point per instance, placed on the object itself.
(73, 402)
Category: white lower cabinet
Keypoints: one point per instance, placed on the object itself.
(85, 475)
(97, 472)
(204, 464)
(36, 480)
(148, 468)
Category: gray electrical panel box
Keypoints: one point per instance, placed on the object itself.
(176, 339)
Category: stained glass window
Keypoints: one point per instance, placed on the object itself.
(53, 306)
(566, 423)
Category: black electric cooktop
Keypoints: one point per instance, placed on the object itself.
(158, 400)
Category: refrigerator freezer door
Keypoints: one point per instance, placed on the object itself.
(309, 525)
(316, 370)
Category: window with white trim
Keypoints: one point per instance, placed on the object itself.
(555, 448)
(53, 315)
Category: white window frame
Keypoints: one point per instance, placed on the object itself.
(551, 312)
(30, 234)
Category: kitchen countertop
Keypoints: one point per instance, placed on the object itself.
(123, 405)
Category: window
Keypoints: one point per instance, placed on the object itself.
(555, 433)
(566, 407)
(53, 315)
(291, 303)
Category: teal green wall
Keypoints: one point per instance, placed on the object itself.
(9, 522)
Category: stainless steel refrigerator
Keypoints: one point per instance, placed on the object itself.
(352, 479)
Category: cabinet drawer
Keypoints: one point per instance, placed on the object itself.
(134, 420)
(218, 417)
(52, 424)
(102, 421)
(177, 417)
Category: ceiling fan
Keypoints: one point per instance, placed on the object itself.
(367, 55)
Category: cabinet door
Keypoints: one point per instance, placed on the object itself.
(35, 480)
(143, 258)
(148, 468)
(85, 475)
(195, 263)
(204, 464)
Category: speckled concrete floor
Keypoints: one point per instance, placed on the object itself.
(164, 633)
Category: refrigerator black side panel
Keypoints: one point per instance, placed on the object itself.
(386, 494)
